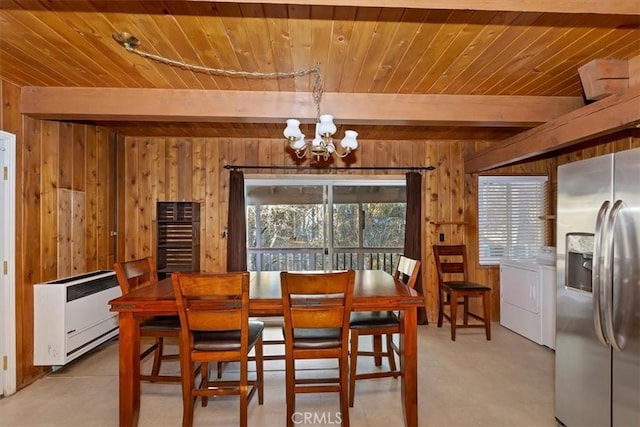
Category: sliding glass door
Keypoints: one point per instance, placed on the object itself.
(324, 224)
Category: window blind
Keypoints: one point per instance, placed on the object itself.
(509, 211)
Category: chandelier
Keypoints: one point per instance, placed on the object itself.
(322, 146)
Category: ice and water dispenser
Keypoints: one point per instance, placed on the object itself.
(579, 261)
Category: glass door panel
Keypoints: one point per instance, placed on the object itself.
(368, 225)
(286, 227)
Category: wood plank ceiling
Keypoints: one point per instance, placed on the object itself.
(405, 50)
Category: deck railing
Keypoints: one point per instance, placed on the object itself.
(296, 259)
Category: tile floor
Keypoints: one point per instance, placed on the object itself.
(468, 383)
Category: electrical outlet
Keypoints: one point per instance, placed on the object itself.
(441, 237)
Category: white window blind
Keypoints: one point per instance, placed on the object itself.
(509, 211)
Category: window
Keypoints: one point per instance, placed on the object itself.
(509, 217)
(322, 224)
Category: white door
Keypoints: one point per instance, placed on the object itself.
(7, 264)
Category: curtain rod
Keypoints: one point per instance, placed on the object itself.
(331, 168)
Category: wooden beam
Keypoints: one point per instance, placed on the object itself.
(609, 115)
(185, 105)
(603, 77)
(605, 7)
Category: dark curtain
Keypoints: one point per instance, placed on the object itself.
(237, 228)
(413, 231)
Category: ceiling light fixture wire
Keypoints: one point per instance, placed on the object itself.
(131, 44)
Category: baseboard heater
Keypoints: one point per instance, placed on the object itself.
(72, 317)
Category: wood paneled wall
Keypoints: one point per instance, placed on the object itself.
(54, 159)
(159, 169)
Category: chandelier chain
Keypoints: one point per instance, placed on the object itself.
(322, 146)
(317, 86)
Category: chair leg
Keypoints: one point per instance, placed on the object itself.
(188, 382)
(486, 302)
(260, 371)
(244, 380)
(453, 313)
(344, 389)
(157, 356)
(290, 381)
(220, 366)
(377, 348)
(353, 366)
(390, 355)
(465, 314)
(204, 381)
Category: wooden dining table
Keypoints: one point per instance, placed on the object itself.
(374, 290)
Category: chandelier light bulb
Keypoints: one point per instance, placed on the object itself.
(292, 131)
(349, 142)
(298, 144)
(326, 127)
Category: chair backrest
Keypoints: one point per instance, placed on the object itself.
(213, 302)
(136, 273)
(317, 300)
(451, 260)
(407, 271)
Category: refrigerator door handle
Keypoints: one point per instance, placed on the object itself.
(596, 276)
(608, 274)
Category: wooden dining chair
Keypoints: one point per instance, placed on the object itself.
(132, 275)
(316, 326)
(377, 324)
(214, 315)
(453, 283)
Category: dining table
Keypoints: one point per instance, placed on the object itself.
(374, 290)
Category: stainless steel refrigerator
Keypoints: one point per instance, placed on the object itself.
(598, 292)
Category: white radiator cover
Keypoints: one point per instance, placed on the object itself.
(71, 316)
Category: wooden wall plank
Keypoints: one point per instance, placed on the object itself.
(78, 240)
(108, 191)
(185, 164)
(65, 233)
(130, 205)
(78, 180)
(157, 185)
(49, 184)
(199, 182)
(91, 183)
(145, 201)
(212, 244)
(171, 167)
(65, 175)
(121, 198)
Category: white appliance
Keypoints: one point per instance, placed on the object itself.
(528, 296)
(71, 316)
(598, 322)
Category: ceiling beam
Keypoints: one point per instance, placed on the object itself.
(610, 7)
(185, 105)
(609, 115)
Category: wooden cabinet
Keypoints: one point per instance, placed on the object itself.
(178, 246)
